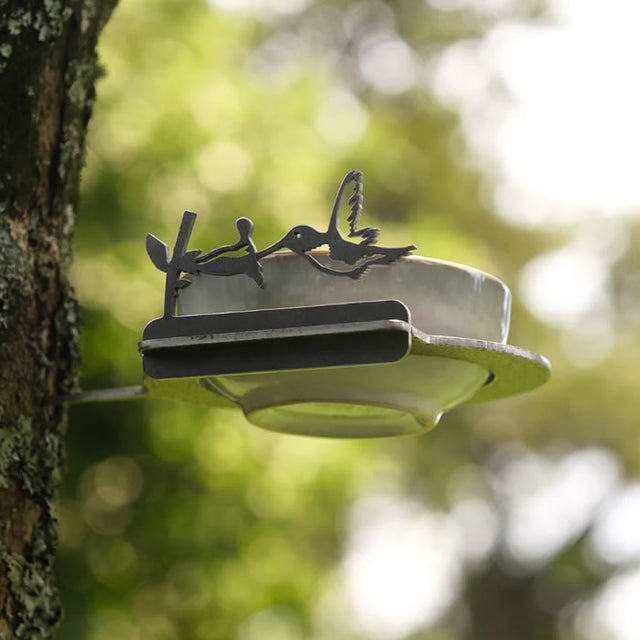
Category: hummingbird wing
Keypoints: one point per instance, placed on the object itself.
(369, 235)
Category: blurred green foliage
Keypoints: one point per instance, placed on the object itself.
(181, 522)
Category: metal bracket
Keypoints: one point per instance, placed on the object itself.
(102, 395)
(276, 339)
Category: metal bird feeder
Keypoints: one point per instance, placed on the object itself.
(358, 340)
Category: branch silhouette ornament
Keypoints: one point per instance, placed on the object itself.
(301, 239)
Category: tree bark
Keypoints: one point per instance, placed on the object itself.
(48, 67)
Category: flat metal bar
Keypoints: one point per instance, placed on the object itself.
(280, 318)
(279, 351)
(272, 334)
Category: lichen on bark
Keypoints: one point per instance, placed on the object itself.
(48, 67)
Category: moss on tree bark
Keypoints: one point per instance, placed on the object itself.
(48, 67)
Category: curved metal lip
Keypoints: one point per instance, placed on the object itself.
(512, 370)
(425, 260)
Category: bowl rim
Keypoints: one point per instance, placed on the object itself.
(426, 260)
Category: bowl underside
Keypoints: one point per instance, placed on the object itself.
(397, 398)
(360, 401)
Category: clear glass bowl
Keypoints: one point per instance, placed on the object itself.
(360, 401)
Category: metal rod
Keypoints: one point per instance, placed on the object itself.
(102, 395)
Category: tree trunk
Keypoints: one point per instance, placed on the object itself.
(48, 67)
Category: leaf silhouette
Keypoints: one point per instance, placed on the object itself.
(183, 283)
(158, 252)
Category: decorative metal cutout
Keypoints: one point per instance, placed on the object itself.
(301, 239)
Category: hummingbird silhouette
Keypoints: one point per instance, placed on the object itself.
(303, 238)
